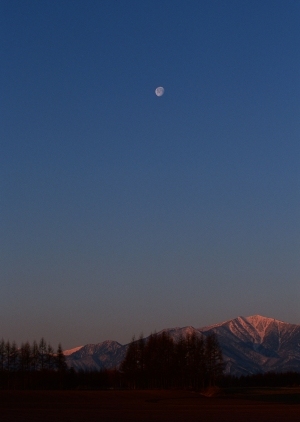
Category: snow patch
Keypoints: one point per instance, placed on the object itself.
(70, 351)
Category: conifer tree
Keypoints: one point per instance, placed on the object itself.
(25, 356)
(129, 365)
(141, 362)
(2, 355)
(14, 356)
(34, 356)
(181, 361)
(42, 354)
(50, 358)
(61, 364)
(213, 359)
(7, 356)
(195, 360)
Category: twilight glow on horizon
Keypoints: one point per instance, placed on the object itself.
(123, 213)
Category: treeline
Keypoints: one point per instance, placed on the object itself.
(193, 362)
(156, 362)
(160, 362)
(34, 365)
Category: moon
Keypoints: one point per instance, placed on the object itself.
(159, 91)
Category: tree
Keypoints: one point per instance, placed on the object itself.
(42, 354)
(2, 355)
(159, 360)
(195, 360)
(181, 362)
(130, 364)
(50, 358)
(34, 356)
(25, 356)
(7, 352)
(25, 363)
(61, 364)
(213, 359)
(164, 362)
(14, 357)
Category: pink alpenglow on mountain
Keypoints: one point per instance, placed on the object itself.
(250, 345)
(71, 351)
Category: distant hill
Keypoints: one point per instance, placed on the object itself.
(250, 345)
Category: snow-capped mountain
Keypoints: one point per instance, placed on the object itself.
(258, 344)
(250, 345)
(106, 355)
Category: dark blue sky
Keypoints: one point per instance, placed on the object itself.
(122, 212)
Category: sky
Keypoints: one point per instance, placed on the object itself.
(124, 213)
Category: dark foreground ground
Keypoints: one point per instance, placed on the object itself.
(143, 406)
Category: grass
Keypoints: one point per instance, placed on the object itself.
(245, 405)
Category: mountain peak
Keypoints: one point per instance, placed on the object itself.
(259, 318)
(260, 322)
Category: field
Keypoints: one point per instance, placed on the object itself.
(103, 406)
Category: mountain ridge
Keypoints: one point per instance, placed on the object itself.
(250, 345)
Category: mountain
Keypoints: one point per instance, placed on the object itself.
(253, 344)
(258, 344)
(106, 355)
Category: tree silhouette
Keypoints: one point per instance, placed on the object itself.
(61, 364)
(159, 362)
(213, 359)
(42, 354)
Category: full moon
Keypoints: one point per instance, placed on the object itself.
(159, 91)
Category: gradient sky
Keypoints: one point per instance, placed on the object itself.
(122, 212)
